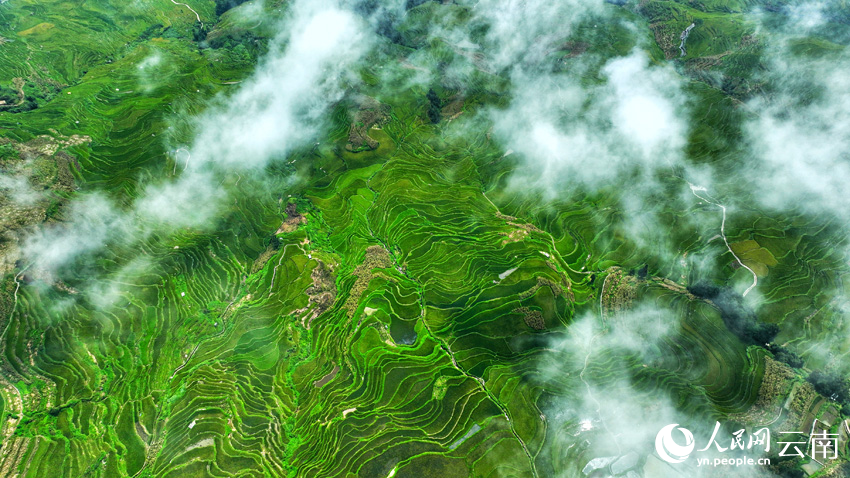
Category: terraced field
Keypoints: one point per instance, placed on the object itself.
(407, 239)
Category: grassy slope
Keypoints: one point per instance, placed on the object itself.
(113, 391)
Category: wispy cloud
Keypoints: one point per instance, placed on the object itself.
(569, 135)
(799, 133)
(282, 106)
(603, 413)
(279, 108)
(149, 71)
(92, 221)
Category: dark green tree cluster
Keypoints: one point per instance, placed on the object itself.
(784, 355)
(151, 32)
(246, 43)
(414, 3)
(832, 386)
(11, 97)
(434, 106)
(8, 95)
(199, 32)
(742, 321)
(739, 319)
(222, 6)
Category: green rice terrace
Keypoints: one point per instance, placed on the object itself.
(413, 238)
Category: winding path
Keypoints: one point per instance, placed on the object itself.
(694, 190)
(590, 394)
(683, 37)
(193, 11)
(10, 393)
(188, 157)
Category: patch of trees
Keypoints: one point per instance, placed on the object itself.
(832, 386)
(387, 28)
(742, 321)
(836, 13)
(10, 96)
(388, 22)
(246, 43)
(222, 6)
(434, 106)
(199, 32)
(788, 468)
(274, 242)
(150, 31)
(414, 3)
(734, 86)
(739, 319)
(786, 356)
(8, 153)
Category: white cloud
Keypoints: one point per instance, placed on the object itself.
(574, 136)
(149, 71)
(524, 31)
(91, 221)
(604, 415)
(18, 189)
(801, 136)
(645, 103)
(282, 106)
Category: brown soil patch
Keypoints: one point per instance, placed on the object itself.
(369, 114)
(556, 289)
(521, 232)
(619, 291)
(14, 452)
(323, 291)
(327, 378)
(573, 48)
(706, 62)
(532, 317)
(293, 219)
(453, 109)
(376, 258)
(263, 258)
(143, 434)
(48, 145)
(514, 236)
(666, 38)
